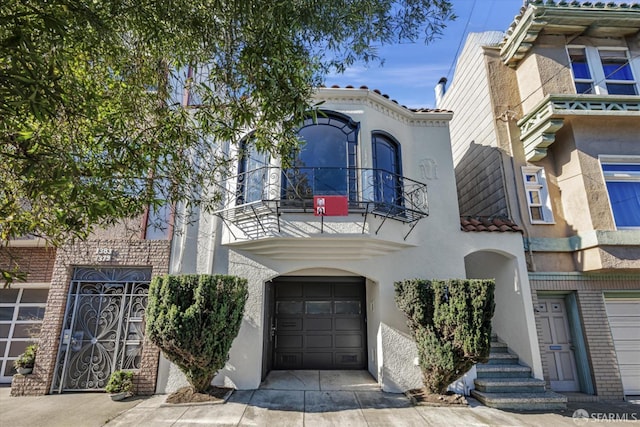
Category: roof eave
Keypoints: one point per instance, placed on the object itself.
(617, 21)
(360, 95)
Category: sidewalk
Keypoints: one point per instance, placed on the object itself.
(344, 408)
(60, 410)
(293, 398)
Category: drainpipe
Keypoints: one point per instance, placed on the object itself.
(527, 245)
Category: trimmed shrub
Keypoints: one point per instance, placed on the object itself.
(120, 382)
(194, 320)
(451, 323)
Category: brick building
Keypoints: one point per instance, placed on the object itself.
(84, 305)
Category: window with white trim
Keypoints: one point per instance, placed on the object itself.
(622, 178)
(21, 314)
(602, 71)
(538, 201)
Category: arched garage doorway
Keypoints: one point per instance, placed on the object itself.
(315, 323)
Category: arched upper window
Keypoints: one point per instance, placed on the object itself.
(387, 164)
(325, 163)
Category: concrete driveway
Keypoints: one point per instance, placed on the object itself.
(294, 398)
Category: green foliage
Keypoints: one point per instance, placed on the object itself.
(120, 382)
(92, 126)
(28, 358)
(194, 320)
(451, 323)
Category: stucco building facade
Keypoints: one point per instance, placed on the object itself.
(321, 293)
(547, 132)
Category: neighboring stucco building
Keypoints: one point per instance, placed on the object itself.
(321, 288)
(546, 131)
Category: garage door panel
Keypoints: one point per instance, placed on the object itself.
(349, 359)
(625, 331)
(6, 313)
(290, 307)
(318, 307)
(319, 341)
(348, 324)
(345, 290)
(289, 290)
(318, 360)
(289, 341)
(348, 341)
(314, 324)
(348, 307)
(314, 290)
(624, 318)
(322, 318)
(9, 296)
(628, 357)
(289, 324)
(289, 360)
(623, 308)
(631, 380)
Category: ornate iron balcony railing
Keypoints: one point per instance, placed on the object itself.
(368, 191)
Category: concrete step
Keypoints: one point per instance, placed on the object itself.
(499, 347)
(510, 385)
(522, 401)
(502, 358)
(485, 370)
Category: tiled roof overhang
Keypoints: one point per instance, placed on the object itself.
(483, 223)
(573, 18)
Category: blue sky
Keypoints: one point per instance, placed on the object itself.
(411, 71)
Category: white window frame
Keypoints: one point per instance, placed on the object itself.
(538, 186)
(618, 176)
(590, 63)
(5, 359)
(598, 79)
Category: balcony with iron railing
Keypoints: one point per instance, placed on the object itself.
(256, 203)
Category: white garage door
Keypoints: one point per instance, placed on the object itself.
(624, 320)
(21, 314)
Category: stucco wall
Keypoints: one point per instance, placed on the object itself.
(431, 250)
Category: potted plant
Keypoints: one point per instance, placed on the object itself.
(120, 385)
(24, 363)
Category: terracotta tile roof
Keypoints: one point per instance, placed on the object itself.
(384, 95)
(483, 223)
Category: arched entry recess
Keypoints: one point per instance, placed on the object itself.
(513, 320)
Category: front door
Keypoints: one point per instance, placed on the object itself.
(557, 344)
(103, 329)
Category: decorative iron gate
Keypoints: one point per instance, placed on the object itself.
(103, 326)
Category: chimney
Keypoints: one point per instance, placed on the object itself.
(440, 89)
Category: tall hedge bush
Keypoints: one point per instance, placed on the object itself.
(451, 323)
(194, 319)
